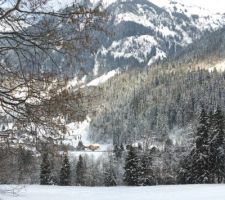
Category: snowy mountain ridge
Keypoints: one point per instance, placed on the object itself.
(143, 32)
(146, 33)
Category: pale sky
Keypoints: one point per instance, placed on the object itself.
(212, 5)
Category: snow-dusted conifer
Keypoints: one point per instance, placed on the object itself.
(132, 168)
(217, 153)
(45, 174)
(80, 171)
(146, 175)
(195, 167)
(65, 173)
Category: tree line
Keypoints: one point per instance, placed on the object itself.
(201, 161)
(143, 166)
(206, 161)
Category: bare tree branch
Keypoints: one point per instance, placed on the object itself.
(31, 95)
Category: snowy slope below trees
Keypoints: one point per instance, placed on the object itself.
(187, 192)
(103, 78)
(220, 66)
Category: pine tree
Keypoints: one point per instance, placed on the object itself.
(200, 155)
(121, 147)
(24, 163)
(109, 172)
(117, 151)
(80, 171)
(80, 146)
(196, 165)
(147, 176)
(132, 168)
(45, 174)
(217, 153)
(168, 167)
(65, 173)
(185, 171)
(109, 177)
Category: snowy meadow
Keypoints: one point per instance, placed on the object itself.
(187, 192)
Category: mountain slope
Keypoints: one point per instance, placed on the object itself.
(163, 99)
(142, 33)
(145, 33)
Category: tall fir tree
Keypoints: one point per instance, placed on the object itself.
(169, 160)
(217, 152)
(24, 163)
(118, 151)
(45, 174)
(121, 147)
(146, 175)
(109, 177)
(109, 171)
(185, 170)
(132, 168)
(80, 171)
(196, 166)
(65, 173)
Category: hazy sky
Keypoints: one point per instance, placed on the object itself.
(214, 5)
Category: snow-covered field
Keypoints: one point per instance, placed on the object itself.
(186, 192)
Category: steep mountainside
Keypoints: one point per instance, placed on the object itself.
(142, 33)
(163, 100)
(146, 33)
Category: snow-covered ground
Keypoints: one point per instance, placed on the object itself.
(220, 66)
(80, 132)
(102, 79)
(187, 192)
